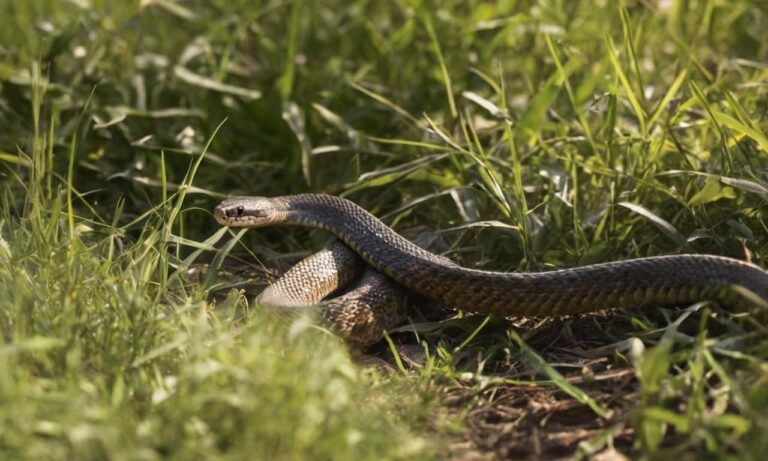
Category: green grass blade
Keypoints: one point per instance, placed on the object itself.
(628, 89)
(558, 379)
(426, 17)
(668, 96)
(662, 224)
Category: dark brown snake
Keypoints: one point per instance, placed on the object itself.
(372, 306)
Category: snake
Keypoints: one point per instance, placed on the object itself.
(391, 266)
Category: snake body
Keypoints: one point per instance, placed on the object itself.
(660, 280)
(371, 303)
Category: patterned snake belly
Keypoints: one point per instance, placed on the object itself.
(662, 280)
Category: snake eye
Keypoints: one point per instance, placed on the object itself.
(239, 210)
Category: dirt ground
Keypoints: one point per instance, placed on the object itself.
(512, 418)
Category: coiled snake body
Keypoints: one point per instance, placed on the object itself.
(662, 280)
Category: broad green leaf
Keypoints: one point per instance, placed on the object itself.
(654, 366)
(681, 423)
(713, 190)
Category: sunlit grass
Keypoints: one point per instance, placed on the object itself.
(504, 135)
(104, 357)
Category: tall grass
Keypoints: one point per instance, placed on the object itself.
(109, 353)
(506, 135)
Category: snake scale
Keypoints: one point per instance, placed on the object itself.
(365, 311)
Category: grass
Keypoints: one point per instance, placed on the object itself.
(506, 135)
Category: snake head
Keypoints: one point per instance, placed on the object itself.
(249, 212)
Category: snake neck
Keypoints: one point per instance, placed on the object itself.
(676, 279)
(377, 243)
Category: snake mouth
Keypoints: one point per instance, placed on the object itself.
(220, 214)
